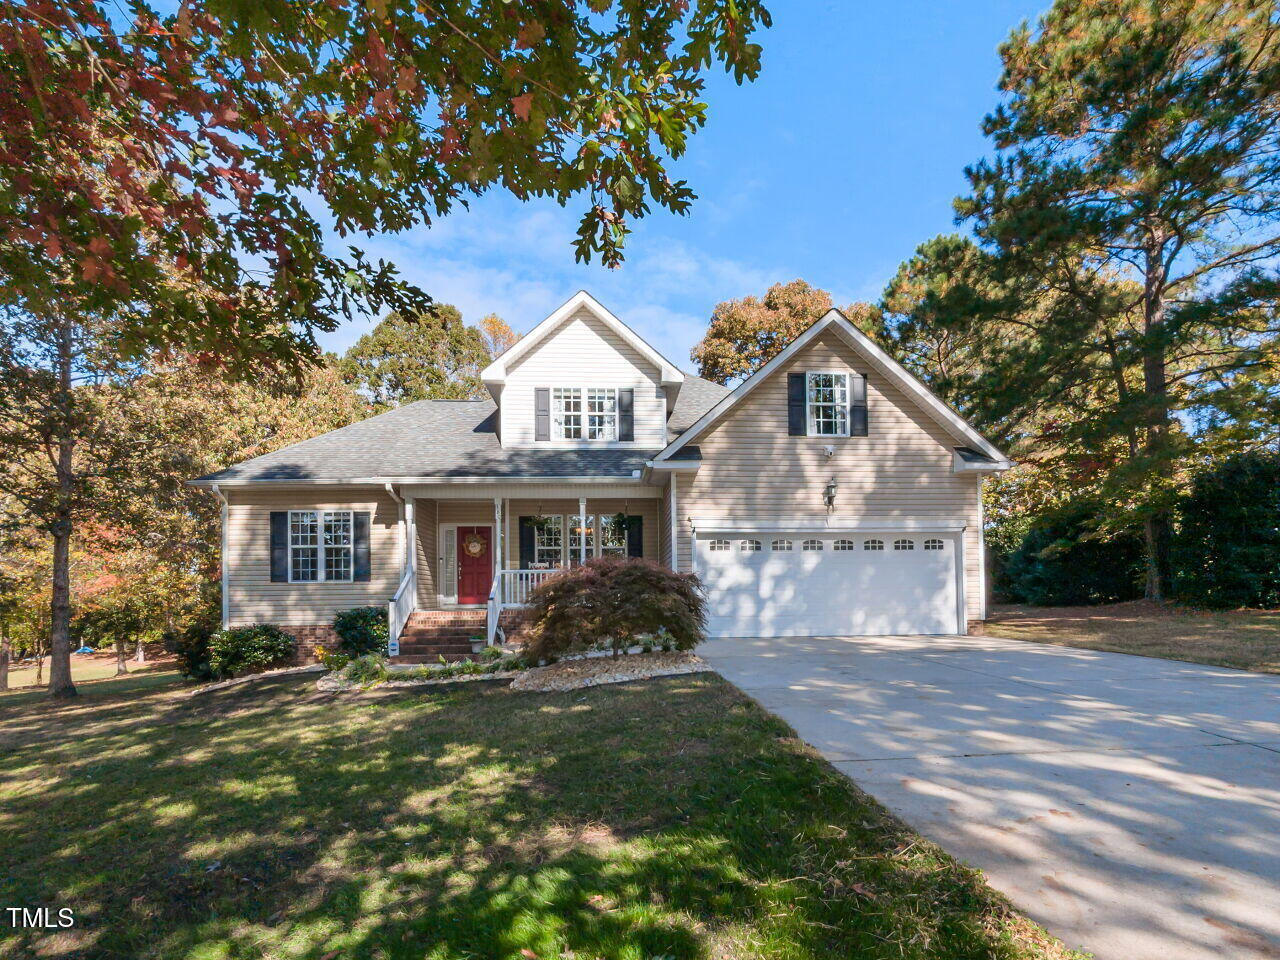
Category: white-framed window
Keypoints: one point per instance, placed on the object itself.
(827, 396)
(602, 413)
(749, 546)
(873, 544)
(933, 544)
(781, 545)
(548, 543)
(613, 536)
(811, 545)
(578, 534)
(321, 546)
(842, 545)
(584, 414)
(717, 545)
(566, 413)
(904, 544)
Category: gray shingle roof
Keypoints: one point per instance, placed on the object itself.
(449, 438)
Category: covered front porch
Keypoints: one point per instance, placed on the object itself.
(486, 546)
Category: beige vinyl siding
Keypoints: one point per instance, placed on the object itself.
(583, 352)
(647, 508)
(253, 598)
(752, 470)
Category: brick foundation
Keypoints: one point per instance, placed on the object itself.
(307, 638)
(514, 624)
(976, 628)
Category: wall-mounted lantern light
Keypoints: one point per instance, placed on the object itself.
(829, 493)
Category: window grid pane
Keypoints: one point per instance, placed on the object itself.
(904, 545)
(337, 545)
(567, 405)
(873, 544)
(718, 545)
(602, 414)
(304, 550)
(933, 544)
(782, 545)
(577, 535)
(843, 545)
(613, 536)
(749, 546)
(828, 404)
(811, 545)
(548, 542)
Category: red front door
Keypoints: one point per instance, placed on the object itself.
(475, 564)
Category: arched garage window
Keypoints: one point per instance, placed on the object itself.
(933, 544)
(873, 544)
(843, 545)
(904, 544)
(749, 546)
(719, 545)
(781, 545)
(811, 545)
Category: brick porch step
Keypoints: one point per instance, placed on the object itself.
(435, 646)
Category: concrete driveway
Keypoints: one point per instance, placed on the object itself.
(1130, 805)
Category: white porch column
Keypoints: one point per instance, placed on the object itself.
(410, 535)
(582, 523)
(497, 537)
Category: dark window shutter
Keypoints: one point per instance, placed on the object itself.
(858, 405)
(626, 414)
(635, 536)
(360, 540)
(526, 542)
(542, 413)
(279, 546)
(795, 405)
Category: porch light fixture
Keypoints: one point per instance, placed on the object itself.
(829, 493)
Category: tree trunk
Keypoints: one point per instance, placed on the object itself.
(140, 655)
(1155, 386)
(4, 654)
(60, 684)
(121, 669)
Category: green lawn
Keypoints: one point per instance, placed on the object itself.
(664, 819)
(85, 668)
(1244, 639)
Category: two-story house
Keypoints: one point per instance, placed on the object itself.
(830, 493)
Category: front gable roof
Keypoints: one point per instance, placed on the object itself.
(955, 425)
(496, 373)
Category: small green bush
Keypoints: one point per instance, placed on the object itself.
(367, 669)
(242, 650)
(362, 630)
(1059, 564)
(612, 603)
(1226, 551)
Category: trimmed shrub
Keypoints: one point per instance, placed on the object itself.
(1059, 564)
(242, 650)
(368, 669)
(1226, 551)
(612, 603)
(362, 630)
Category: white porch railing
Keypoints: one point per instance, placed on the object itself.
(398, 609)
(511, 588)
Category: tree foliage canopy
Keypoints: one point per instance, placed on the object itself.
(421, 356)
(168, 163)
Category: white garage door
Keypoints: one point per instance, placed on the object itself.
(783, 585)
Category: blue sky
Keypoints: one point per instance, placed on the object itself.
(833, 166)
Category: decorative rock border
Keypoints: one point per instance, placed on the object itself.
(251, 677)
(575, 674)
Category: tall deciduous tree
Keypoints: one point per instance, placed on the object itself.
(420, 356)
(747, 333)
(173, 160)
(498, 335)
(1137, 175)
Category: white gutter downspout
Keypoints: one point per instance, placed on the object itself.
(226, 601)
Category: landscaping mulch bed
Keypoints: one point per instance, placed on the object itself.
(594, 671)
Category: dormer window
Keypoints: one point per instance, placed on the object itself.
(598, 421)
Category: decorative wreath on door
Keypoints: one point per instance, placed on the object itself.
(473, 545)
